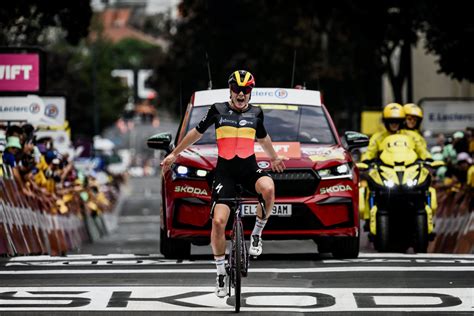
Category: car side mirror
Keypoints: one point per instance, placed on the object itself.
(355, 140)
(160, 141)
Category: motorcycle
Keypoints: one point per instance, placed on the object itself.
(400, 201)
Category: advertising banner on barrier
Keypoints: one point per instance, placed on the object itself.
(447, 115)
(55, 108)
(31, 109)
(20, 72)
(62, 141)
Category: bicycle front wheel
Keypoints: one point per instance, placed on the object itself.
(238, 236)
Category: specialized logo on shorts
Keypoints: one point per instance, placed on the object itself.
(188, 189)
(263, 164)
(335, 188)
(243, 123)
(219, 187)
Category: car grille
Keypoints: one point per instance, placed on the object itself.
(295, 182)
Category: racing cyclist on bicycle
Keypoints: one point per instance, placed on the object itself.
(237, 124)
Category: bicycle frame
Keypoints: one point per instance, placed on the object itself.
(238, 255)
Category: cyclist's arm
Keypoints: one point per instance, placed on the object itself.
(191, 137)
(267, 146)
(277, 162)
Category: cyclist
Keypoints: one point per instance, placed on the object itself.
(237, 124)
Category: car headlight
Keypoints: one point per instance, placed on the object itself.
(337, 172)
(184, 172)
(412, 183)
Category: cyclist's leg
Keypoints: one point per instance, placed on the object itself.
(266, 188)
(223, 187)
(219, 221)
(260, 182)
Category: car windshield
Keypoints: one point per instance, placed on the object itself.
(284, 123)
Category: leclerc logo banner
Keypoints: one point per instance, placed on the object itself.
(19, 72)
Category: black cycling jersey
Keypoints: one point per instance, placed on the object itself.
(235, 131)
(235, 136)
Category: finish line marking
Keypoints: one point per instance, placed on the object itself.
(160, 256)
(263, 299)
(256, 270)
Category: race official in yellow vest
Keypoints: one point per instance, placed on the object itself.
(393, 117)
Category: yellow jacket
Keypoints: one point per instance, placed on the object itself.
(374, 149)
(418, 137)
(470, 176)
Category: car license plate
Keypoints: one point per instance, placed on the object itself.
(278, 210)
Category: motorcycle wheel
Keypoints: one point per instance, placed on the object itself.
(382, 238)
(421, 234)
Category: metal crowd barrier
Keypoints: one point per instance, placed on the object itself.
(33, 225)
(454, 222)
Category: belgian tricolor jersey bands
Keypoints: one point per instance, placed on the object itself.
(235, 131)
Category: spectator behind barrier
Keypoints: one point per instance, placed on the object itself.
(460, 142)
(12, 153)
(441, 171)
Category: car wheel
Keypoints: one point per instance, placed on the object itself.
(421, 234)
(382, 237)
(345, 247)
(173, 248)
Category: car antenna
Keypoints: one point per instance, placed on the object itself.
(209, 85)
(293, 70)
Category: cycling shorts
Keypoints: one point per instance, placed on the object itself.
(230, 173)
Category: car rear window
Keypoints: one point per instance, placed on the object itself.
(284, 123)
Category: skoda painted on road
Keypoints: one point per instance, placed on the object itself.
(316, 196)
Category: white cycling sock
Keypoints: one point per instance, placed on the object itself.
(220, 264)
(259, 225)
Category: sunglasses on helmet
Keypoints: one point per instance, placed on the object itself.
(237, 89)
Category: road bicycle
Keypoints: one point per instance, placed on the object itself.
(238, 263)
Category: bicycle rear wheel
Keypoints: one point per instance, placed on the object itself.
(238, 235)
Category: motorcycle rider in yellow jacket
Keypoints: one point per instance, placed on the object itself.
(393, 117)
(413, 118)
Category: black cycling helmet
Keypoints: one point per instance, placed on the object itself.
(241, 80)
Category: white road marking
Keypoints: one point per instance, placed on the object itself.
(419, 255)
(154, 256)
(262, 299)
(143, 261)
(256, 270)
(85, 257)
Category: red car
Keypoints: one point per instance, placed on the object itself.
(316, 196)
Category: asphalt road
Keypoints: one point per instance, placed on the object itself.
(124, 274)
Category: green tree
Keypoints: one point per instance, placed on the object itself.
(70, 70)
(449, 30)
(29, 22)
(263, 36)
